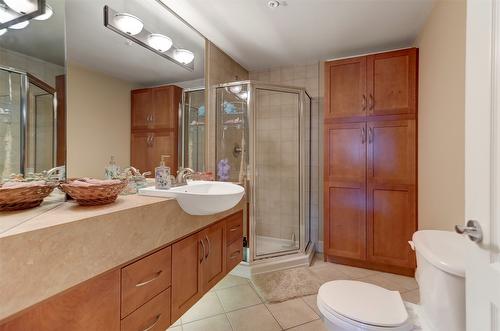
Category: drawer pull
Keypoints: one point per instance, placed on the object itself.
(234, 255)
(203, 256)
(208, 244)
(154, 323)
(156, 275)
(234, 229)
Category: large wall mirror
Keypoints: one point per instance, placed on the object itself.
(135, 71)
(32, 92)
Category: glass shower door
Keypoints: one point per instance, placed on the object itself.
(11, 91)
(194, 129)
(277, 188)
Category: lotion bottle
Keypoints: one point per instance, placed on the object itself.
(162, 175)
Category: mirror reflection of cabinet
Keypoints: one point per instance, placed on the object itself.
(154, 115)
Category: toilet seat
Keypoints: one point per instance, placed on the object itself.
(354, 305)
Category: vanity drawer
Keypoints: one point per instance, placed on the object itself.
(234, 254)
(153, 316)
(144, 279)
(234, 227)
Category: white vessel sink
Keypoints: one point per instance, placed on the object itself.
(201, 197)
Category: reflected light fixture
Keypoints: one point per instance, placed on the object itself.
(235, 89)
(19, 26)
(183, 55)
(159, 42)
(243, 95)
(127, 23)
(22, 6)
(48, 13)
(2, 31)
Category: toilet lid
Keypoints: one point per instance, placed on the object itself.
(364, 303)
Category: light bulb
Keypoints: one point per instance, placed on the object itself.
(45, 16)
(235, 89)
(2, 32)
(128, 23)
(184, 56)
(19, 26)
(159, 42)
(22, 6)
(243, 95)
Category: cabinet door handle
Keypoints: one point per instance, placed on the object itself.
(370, 135)
(155, 276)
(154, 323)
(234, 229)
(208, 244)
(363, 103)
(235, 255)
(203, 255)
(363, 135)
(372, 102)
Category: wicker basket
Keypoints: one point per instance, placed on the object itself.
(94, 195)
(23, 197)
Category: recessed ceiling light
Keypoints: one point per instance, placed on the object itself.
(22, 6)
(159, 42)
(20, 25)
(184, 56)
(48, 13)
(128, 23)
(273, 4)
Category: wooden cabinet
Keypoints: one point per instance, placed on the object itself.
(92, 305)
(345, 88)
(155, 124)
(370, 160)
(147, 294)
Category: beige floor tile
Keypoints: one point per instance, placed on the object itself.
(353, 272)
(238, 297)
(327, 273)
(317, 325)
(175, 328)
(412, 296)
(214, 323)
(311, 301)
(292, 313)
(383, 281)
(177, 323)
(230, 281)
(409, 283)
(208, 306)
(256, 318)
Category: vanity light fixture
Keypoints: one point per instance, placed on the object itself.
(243, 95)
(19, 26)
(133, 29)
(127, 23)
(183, 55)
(22, 6)
(159, 42)
(235, 89)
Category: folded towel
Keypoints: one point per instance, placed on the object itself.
(85, 182)
(12, 185)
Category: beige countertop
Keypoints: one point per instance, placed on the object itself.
(42, 254)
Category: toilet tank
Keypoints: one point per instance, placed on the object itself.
(441, 278)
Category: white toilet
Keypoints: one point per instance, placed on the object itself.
(357, 306)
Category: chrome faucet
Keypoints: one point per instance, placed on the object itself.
(56, 173)
(183, 174)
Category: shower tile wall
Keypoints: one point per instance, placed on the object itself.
(277, 144)
(310, 77)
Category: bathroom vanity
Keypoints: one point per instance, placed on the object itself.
(138, 264)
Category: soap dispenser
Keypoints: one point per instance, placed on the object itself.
(162, 175)
(112, 170)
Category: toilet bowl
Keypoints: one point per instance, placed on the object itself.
(348, 305)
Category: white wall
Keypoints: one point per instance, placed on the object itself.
(441, 117)
(98, 121)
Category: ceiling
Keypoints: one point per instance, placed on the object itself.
(303, 31)
(94, 46)
(40, 39)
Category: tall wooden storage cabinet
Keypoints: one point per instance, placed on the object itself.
(155, 114)
(370, 160)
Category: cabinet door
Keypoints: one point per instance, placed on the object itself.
(392, 152)
(391, 224)
(187, 264)
(163, 143)
(139, 151)
(344, 189)
(215, 257)
(91, 305)
(166, 101)
(345, 88)
(142, 108)
(392, 82)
